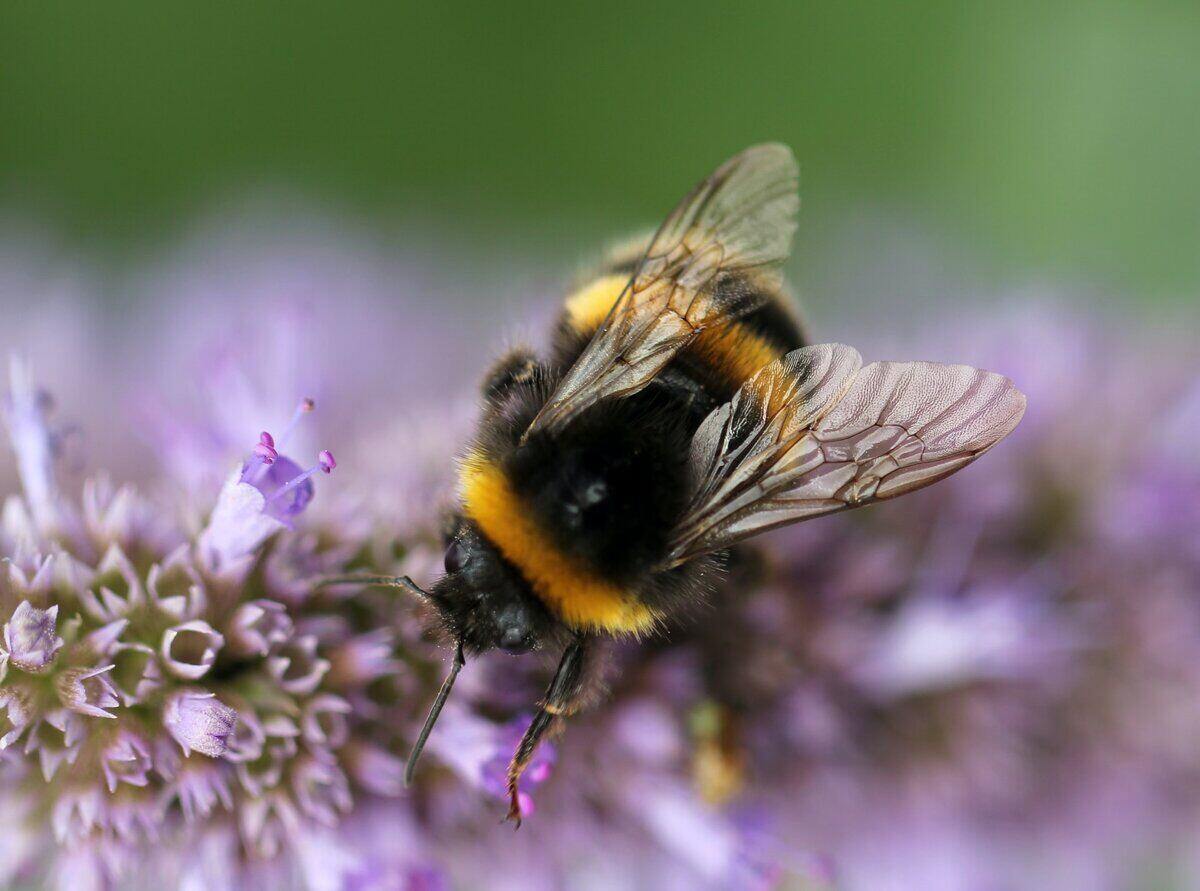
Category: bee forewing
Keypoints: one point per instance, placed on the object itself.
(741, 216)
(813, 434)
(739, 220)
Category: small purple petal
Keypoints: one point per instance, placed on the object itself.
(190, 649)
(199, 788)
(297, 667)
(363, 658)
(321, 789)
(103, 640)
(239, 524)
(324, 721)
(87, 691)
(199, 722)
(29, 637)
(18, 703)
(257, 626)
(126, 760)
(246, 741)
(34, 444)
(285, 488)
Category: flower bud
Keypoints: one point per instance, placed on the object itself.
(199, 722)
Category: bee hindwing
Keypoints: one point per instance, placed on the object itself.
(815, 432)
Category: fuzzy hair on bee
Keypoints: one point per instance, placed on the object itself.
(586, 512)
(676, 412)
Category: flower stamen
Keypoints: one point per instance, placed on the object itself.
(265, 450)
(325, 464)
(305, 406)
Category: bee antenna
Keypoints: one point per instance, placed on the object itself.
(434, 711)
(402, 582)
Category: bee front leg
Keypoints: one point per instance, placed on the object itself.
(517, 368)
(563, 697)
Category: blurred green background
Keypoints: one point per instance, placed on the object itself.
(1042, 138)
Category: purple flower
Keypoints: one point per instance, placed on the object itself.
(324, 725)
(258, 626)
(364, 658)
(126, 760)
(87, 691)
(139, 630)
(188, 650)
(296, 666)
(200, 787)
(321, 790)
(199, 722)
(18, 702)
(34, 444)
(30, 641)
(264, 496)
(992, 684)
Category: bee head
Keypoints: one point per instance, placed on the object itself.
(483, 601)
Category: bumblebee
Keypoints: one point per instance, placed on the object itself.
(676, 413)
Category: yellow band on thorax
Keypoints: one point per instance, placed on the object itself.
(571, 591)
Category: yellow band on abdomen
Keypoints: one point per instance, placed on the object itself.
(732, 350)
(571, 592)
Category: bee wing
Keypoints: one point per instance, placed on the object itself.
(738, 220)
(816, 432)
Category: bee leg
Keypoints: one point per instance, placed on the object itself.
(563, 698)
(736, 687)
(513, 369)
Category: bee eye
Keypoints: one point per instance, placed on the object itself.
(456, 556)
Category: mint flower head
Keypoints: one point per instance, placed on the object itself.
(995, 684)
(155, 680)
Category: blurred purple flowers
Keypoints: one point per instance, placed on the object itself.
(994, 684)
